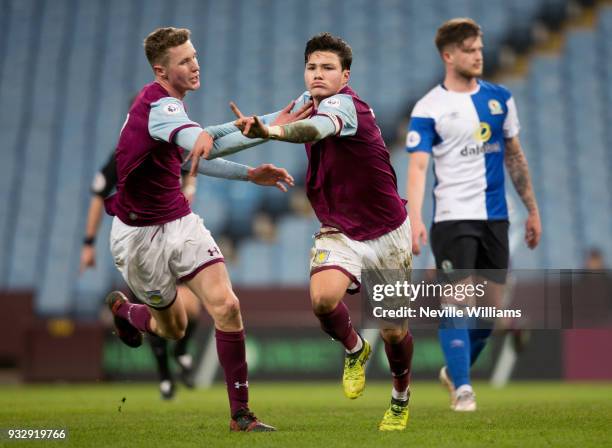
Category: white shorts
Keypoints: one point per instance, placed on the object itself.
(153, 258)
(389, 253)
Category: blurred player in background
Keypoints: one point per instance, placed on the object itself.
(156, 240)
(102, 186)
(471, 129)
(353, 189)
(594, 260)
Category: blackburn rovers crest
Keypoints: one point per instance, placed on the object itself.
(495, 107)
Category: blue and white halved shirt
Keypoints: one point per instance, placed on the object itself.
(465, 133)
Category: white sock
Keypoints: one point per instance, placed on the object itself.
(401, 396)
(464, 388)
(185, 361)
(357, 347)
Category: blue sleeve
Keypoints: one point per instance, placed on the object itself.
(422, 135)
(340, 109)
(166, 118)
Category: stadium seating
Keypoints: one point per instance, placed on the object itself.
(69, 68)
(565, 95)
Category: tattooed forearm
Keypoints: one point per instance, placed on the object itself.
(302, 131)
(516, 163)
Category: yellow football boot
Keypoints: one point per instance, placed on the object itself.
(396, 417)
(353, 377)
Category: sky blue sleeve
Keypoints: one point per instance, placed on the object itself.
(221, 130)
(167, 117)
(234, 142)
(324, 125)
(222, 146)
(341, 111)
(222, 168)
(187, 137)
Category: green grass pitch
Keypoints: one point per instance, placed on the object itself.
(310, 415)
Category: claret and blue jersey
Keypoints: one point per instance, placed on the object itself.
(465, 134)
(149, 162)
(350, 182)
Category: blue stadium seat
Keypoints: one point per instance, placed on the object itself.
(292, 251)
(212, 208)
(63, 120)
(21, 46)
(245, 199)
(256, 264)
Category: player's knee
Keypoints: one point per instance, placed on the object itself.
(322, 303)
(229, 309)
(393, 335)
(174, 333)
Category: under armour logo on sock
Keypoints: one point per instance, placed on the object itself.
(213, 251)
(238, 385)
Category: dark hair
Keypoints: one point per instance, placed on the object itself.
(157, 43)
(455, 31)
(334, 44)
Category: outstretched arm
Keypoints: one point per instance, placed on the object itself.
(285, 115)
(304, 131)
(517, 167)
(225, 139)
(222, 146)
(266, 174)
(336, 115)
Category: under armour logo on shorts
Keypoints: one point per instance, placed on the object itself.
(213, 251)
(238, 385)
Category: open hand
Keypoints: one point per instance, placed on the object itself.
(286, 116)
(253, 127)
(269, 175)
